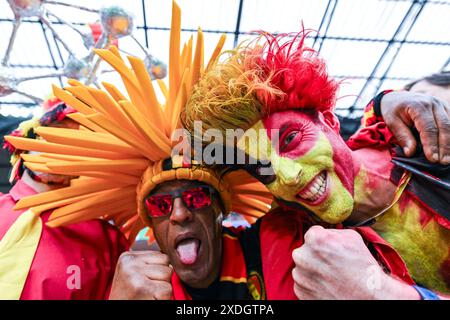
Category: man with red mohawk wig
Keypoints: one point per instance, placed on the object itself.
(280, 87)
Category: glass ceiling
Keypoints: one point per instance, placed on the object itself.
(370, 45)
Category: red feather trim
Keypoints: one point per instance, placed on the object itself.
(285, 63)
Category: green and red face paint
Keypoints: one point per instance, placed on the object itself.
(312, 164)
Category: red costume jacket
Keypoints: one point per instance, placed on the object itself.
(92, 248)
(282, 231)
(262, 256)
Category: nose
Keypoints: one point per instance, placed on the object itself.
(288, 171)
(180, 213)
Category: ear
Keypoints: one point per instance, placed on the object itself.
(332, 121)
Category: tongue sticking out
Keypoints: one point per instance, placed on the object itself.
(188, 251)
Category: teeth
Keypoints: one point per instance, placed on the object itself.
(308, 194)
(316, 189)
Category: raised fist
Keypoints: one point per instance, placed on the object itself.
(142, 275)
(336, 264)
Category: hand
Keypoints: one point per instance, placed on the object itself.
(431, 117)
(336, 264)
(142, 275)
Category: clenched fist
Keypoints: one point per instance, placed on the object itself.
(142, 275)
(336, 264)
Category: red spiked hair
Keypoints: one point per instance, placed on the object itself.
(290, 75)
(271, 74)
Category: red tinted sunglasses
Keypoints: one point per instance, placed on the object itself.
(160, 205)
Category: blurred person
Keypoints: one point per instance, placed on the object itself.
(426, 101)
(425, 107)
(39, 262)
(436, 85)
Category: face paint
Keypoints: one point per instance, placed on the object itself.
(421, 241)
(373, 187)
(49, 178)
(313, 166)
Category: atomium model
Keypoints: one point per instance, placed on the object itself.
(113, 23)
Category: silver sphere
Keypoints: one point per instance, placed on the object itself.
(156, 68)
(26, 8)
(77, 69)
(116, 21)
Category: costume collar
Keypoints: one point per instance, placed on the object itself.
(21, 190)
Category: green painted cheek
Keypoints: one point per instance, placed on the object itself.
(256, 143)
(294, 174)
(288, 171)
(339, 205)
(360, 192)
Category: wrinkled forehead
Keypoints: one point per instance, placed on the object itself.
(440, 92)
(170, 186)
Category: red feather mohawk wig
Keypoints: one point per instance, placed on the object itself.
(295, 70)
(273, 73)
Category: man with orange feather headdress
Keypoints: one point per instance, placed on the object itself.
(127, 173)
(279, 86)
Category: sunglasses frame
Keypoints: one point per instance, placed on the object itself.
(179, 194)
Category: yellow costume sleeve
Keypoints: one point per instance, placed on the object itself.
(17, 249)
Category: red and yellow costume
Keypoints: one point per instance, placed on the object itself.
(36, 262)
(282, 230)
(88, 250)
(278, 86)
(417, 222)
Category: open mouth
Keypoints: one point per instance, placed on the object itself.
(315, 191)
(188, 249)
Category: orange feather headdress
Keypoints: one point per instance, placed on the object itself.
(122, 145)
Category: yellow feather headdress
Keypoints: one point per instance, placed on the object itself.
(119, 150)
